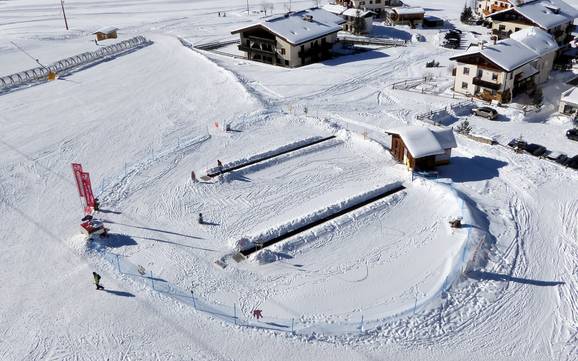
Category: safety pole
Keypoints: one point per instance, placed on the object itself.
(235, 312)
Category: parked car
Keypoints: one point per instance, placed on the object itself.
(485, 112)
(535, 149)
(573, 162)
(572, 134)
(557, 157)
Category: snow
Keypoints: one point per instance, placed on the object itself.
(106, 30)
(541, 13)
(408, 10)
(508, 54)
(390, 280)
(537, 40)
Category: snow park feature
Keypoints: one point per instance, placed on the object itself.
(388, 280)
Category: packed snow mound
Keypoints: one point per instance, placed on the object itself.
(246, 242)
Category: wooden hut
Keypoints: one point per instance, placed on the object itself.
(411, 16)
(421, 148)
(108, 32)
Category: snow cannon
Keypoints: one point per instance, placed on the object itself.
(93, 226)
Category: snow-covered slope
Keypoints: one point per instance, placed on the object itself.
(388, 281)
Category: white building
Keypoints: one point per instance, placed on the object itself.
(507, 68)
(569, 101)
(554, 16)
(357, 21)
(291, 40)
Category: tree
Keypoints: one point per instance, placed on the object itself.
(464, 128)
(467, 14)
(358, 23)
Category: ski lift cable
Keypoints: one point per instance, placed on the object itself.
(30, 56)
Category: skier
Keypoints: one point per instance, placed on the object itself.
(219, 14)
(96, 204)
(220, 166)
(257, 314)
(193, 177)
(96, 277)
(201, 221)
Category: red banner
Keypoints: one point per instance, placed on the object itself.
(77, 170)
(87, 189)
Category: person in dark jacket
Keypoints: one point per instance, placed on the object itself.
(96, 277)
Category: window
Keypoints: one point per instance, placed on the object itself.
(282, 51)
(511, 75)
(378, 1)
(464, 85)
(466, 71)
(480, 72)
(287, 62)
(494, 76)
(518, 29)
(502, 27)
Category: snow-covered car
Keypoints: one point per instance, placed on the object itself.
(572, 134)
(557, 157)
(485, 112)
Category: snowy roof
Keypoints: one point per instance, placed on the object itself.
(545, 13)
(296, 29)
(357, 13)
(445, 137)
(106, 30)
(334, 8)
(536, 40)
(409, 10)
(570, 96)
(324, 16)
(424, 142)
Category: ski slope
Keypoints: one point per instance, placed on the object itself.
(389, 281)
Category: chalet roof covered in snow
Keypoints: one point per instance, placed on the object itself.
(423, 142)
(536, 40)
(300, 27)
(106, 30)
(545, 13)
(408, 10)
(521, 48)
(334, 8)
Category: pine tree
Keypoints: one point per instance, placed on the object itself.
(466, 14)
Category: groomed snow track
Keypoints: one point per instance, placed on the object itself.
(292, 232)
(266, 156)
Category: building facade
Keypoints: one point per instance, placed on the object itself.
(508, 68)
(291, 40)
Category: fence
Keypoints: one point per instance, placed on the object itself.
(372, 41)
(65, 66)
